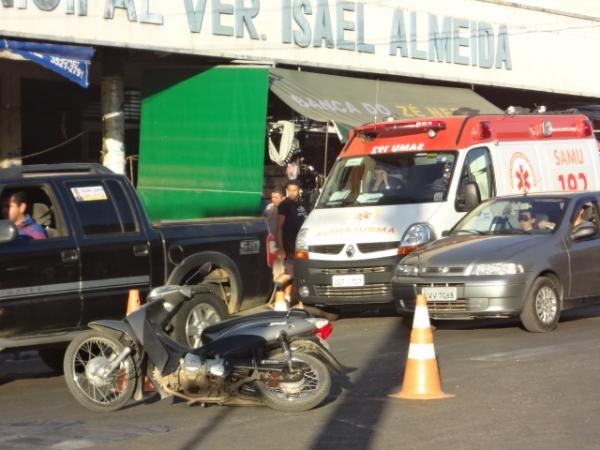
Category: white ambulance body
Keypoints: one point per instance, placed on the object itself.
(398, 185)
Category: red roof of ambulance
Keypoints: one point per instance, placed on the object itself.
(457, 132)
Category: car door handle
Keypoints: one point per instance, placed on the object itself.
(69, 256)
(140, 250)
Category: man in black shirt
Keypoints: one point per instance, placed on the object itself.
(291, 215)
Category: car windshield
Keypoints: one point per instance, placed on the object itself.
(522, 215)
(390, 179)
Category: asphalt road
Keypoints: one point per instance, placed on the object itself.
(513, 390)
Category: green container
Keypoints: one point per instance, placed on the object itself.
(202, 142)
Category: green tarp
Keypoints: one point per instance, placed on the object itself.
(202, 142)
(355, 101)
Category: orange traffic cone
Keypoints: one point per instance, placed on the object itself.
(133, 302)
(421, 374)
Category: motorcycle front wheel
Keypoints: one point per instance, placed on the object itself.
(85, 359)
(305, 387)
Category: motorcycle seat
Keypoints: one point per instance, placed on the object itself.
(213, 331)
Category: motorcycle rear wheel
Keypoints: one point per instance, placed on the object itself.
(85, 356)
(304, 390)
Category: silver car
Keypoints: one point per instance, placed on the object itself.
(529, 256)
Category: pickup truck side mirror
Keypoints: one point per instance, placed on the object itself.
(468, 198)
(583, 231)
(8, 231)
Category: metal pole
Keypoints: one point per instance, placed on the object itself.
(113, 145)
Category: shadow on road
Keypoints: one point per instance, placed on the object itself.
(354, 422)
(16, 366)
(210, 427)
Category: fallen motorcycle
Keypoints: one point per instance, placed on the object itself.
(278, 359)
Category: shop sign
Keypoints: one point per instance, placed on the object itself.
(340, 25)
(456, 40)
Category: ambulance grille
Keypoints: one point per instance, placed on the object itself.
(369, 290)
(371, 247)
(331, 249)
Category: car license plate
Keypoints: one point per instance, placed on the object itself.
(348, 280)
(439, 294)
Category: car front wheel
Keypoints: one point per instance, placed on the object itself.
(541, 311)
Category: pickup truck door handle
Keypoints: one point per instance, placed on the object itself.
(140, 250)
(69, 256)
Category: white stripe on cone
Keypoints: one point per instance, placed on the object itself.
(421, 319)
(421, 351)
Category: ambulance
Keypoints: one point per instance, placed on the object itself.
(398, 185)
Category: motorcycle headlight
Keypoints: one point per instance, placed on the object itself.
(494, 269)
(301, 243)
(417, 234)
(406, 270)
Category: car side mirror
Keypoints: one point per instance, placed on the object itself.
(445, 233)
(8, 231)
(468, 198)
(583, 231)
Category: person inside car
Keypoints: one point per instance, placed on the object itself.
(526, 220)
(529, 222)
(584, 216)
(14, 208)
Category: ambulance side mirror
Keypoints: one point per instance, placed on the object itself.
(468, 198)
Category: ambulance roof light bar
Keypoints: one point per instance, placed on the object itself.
(416, 125)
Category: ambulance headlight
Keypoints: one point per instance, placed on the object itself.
(301, 242)
(417, 234)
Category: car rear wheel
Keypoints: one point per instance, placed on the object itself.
(541, 311)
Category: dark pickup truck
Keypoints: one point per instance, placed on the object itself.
(101, 244)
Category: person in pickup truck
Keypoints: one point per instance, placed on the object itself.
(14, 208)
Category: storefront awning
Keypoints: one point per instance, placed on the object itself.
(353, 101)
(70, 61)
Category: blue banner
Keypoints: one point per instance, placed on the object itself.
(70, 61)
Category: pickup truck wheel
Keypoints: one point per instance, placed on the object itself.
(542, 307)
(221, 281)
(53, 357)
(195, 315)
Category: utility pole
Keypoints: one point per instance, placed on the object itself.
(113, 119)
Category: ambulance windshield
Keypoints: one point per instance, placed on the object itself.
(390, 179)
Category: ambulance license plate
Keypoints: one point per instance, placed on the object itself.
(348, 280)
(439, 294)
